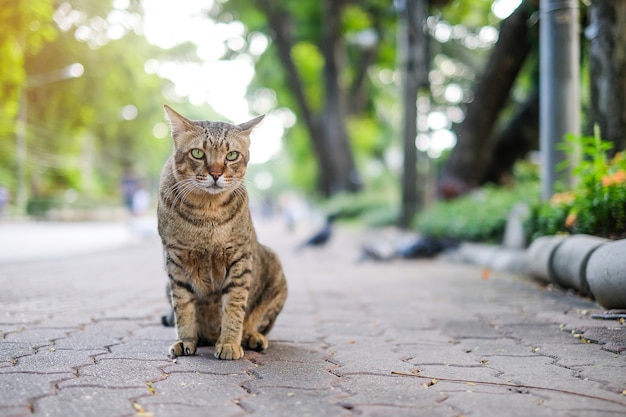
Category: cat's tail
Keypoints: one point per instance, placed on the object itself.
(168, 319)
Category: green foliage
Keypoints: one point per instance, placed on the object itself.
(370, 207)
(25, 26)
(470, 13)
(359, 67)
(596, 204)
(478, 216)
(76, 137)
(310, 62)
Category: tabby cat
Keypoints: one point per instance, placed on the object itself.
(225, 288)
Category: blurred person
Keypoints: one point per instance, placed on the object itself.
(130, 185)
(5, 197)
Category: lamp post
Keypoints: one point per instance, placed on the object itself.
(74, 70)
(559, 80)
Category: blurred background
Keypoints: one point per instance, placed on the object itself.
(378, 112)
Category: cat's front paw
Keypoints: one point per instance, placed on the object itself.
(183, 348)
(228, 351)
(255, 341)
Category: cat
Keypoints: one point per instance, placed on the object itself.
(226, 289)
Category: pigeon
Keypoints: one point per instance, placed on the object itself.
(322, 236)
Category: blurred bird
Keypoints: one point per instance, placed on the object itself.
(418, 247)
(321, 237)
(425, 247)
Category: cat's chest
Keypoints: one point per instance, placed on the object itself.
(207, 267)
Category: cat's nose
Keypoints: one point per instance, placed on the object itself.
(215, 176)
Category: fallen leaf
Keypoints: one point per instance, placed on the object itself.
(151, 388)
(442, 398)
(430, 383)
(486, 274)
(141, 412)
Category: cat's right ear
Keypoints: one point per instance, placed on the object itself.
(178, 123)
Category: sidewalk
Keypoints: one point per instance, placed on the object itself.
(81, 336)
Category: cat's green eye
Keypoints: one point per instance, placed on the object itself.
(197, 153)
(231, 156)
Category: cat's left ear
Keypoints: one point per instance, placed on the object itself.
(178, 123)
(249, 125)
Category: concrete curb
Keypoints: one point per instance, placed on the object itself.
(606, 274)
(588, 264)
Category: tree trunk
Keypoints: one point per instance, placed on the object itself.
(519, 136)
(607, 62)
(467, 163)
(336, 169)
(414, 52)
(343, 175)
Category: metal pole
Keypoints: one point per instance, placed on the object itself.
(559, 82)
(413, 14)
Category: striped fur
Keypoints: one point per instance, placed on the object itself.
(225, 288)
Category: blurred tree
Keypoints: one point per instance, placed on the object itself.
(25, 26)
(325, 51)
(82, 132)
(466, 166)
(607, 61)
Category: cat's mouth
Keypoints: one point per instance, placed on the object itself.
(213, 189)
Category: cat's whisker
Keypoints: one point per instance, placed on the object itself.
(182, 190)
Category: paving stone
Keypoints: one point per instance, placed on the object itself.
(204, 362)
(387, 390)
(613, 339)
(471, 373)
(504, 346)
(361, 357)
(19, 388)
(118, 373)
(403, 336)
(13, 350)
(574, 355)
(535, 334)
(437, 354)
(293, 375)
(53, 361)
(540, 371)
(612, 376)
(404, 411)
(212, 393)
(177, 408)
(460, 329)
(140, 349)
(37, 336)
(272, 402)
(155, 332)
(88, 402)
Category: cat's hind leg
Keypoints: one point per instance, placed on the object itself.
(260, 319)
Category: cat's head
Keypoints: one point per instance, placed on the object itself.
(210, 156)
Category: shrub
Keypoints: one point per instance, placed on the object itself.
(596, 204)
(478, 216)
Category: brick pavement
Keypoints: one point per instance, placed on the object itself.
(81, 336)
